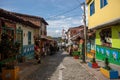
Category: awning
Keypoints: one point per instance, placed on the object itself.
(46, 38)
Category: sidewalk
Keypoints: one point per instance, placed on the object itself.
(96, 71)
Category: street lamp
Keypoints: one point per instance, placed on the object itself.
(85, 36)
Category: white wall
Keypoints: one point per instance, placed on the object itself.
(25, 33)
(43, 27)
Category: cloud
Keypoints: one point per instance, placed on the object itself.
(87, 15)
(83, 16)
(68, 18)
(57, 31)
(82, 21)
(61, 17)
(9, 8)
(55, 26)
(54, 33)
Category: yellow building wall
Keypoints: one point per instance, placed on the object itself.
(116, 36)
(102, 15)
(97, 40)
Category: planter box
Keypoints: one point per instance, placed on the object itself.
(10, 74)
(112, 74)
(93, 65)
(76, 57)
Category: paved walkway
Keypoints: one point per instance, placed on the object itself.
(61, 67)
(96, 72)
(56, 67)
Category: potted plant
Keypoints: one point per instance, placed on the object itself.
(76, 54)
(108, 71)
(93, 63)
(9, 50)
(9, 72)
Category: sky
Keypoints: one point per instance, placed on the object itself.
(60, 14)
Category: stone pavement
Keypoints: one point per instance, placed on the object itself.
(75, 71)
(56, 67)
(61, 66)
(96, 71)
(27, 68)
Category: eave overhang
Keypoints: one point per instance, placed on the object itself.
(88, 1)
(106, 24)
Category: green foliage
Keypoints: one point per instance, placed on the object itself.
(8, 50)
(76, 53)
(107, 64)
(7, 46)
(93, 60)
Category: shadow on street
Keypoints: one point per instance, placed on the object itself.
(48, 66)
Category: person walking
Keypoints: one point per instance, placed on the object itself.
(37, 52)
(43, 50)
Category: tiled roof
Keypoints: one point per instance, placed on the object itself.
(12, 17)
(31, 16)
(76, 27)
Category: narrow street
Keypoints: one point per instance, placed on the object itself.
(87, 30)
(59, 67)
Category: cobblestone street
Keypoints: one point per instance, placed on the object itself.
(58, 67)
(60, 40)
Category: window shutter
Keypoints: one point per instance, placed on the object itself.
(105, 2)
(92, 8)
(29, 37)
(101, 2)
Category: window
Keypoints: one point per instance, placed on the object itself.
(103, 3)
(105, 36)
(92, 8)
(29, 37)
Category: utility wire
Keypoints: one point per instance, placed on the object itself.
(65, 17)
(71, 16)
(64, 12)
(79, 2)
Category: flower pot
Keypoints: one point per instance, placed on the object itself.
(93, 65)
(112, 74)
(10, 74)
(76, 57)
